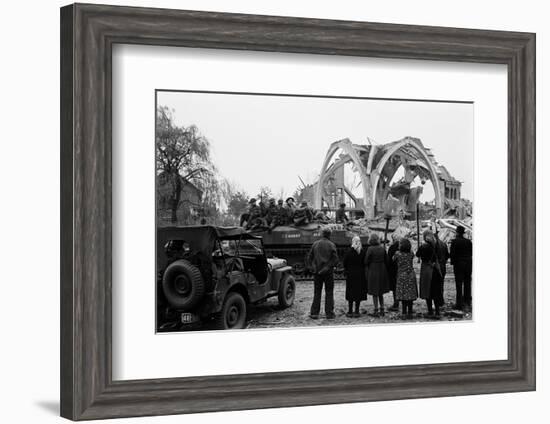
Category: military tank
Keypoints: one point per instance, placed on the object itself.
(293, 243)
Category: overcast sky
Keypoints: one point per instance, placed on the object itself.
(271, 140)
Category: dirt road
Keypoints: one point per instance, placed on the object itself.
(269, 315)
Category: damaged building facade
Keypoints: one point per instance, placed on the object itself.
(376, 190)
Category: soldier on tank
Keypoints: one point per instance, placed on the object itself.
(303, 215)
(341, 217)
(254, 220)
(277, 215)
(263, 208)
(290, 207)
(321, 217)
(270, 211)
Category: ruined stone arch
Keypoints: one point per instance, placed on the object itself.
(371, 163)
(347, 147)
(414, 143)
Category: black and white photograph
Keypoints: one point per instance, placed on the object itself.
(284, 211)
(275, 211)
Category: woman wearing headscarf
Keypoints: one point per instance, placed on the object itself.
(431, 281)
(356, 283)
(376, 261)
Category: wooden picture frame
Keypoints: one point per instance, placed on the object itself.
(88, 33)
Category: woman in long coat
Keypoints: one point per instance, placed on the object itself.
(392, 270)
(356, 282)
(431, 281)
(376, 262)
(406, 290)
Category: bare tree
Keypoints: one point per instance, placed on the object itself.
(211, 197)
(236, 200)
(265, 194)
(182, 155)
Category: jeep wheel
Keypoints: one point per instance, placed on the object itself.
(182, 284)
(287, 291)
(233, 313)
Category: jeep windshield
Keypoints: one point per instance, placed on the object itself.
(240, 247)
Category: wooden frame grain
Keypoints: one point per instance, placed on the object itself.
(88, 33)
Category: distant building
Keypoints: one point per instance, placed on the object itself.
(450, 184)
(188, 211)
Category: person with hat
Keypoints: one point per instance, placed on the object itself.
(461, 259)
(322, 259)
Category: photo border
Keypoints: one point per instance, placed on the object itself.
(88, 33)
(270, 94)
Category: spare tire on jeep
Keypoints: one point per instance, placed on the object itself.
(182, 284)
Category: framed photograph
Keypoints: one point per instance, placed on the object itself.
(263, 211)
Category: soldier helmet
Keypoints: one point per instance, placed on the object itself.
(289, 198)
(253, 200)
(342, 205)
(304, 203)
(272, 200)
(280, 201)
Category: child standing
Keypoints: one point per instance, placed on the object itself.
(406, 289)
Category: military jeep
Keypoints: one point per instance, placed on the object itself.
(209, 274)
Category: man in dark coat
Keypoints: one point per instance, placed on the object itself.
(461, 259)
(322, 259)
(431, 282)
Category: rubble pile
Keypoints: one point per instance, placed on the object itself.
(444, 227)
(447, 228)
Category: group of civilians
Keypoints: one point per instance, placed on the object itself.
(374, 271)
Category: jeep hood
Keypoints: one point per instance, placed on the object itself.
(276, 263)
